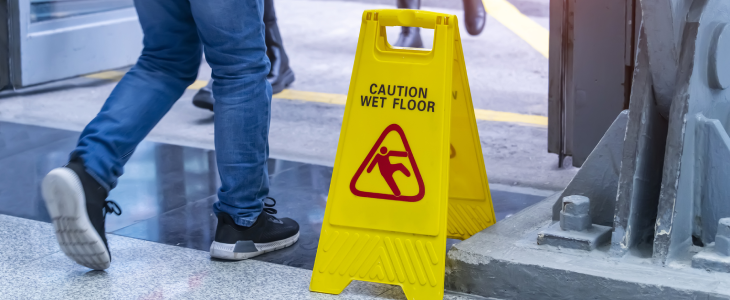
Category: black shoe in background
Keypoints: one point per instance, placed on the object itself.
(268, 233)
(409, 37)
(78, 208)
(475, 17)
(204, 97)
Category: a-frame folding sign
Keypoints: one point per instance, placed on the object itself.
(409, 169)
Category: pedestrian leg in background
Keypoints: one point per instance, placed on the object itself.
(409, 36)
(475, 17)
(280, 76)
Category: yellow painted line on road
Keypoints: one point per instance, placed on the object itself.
(107, 75)
(312, 97)
(537, 36)
(198, 84)
(504, 12)
(115, 76)
(502, 116)
(480, 114)
(339, 99)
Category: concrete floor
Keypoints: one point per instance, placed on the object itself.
(505, 74)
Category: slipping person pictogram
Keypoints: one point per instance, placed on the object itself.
(379, 156)
(387, 169)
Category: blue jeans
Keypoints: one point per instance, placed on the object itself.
(231, 32)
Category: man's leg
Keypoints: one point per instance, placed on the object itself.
(168, 65)
(280, 74)
(75, 195)
(232, 32)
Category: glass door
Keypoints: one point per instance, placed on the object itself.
(54, 39)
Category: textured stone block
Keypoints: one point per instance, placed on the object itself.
(722, 245)
(575, 213)
(588, 239)
(712, 261)
(722, 240)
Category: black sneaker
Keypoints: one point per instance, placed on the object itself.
(204, 97)
(76, 203)
(268, 233)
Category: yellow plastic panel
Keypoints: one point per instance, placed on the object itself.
(470, 203)
(386, 215)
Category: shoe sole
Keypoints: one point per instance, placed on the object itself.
(226, 251)
(64, 196)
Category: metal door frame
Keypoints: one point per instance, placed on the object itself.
(67, 47)
(564, 138)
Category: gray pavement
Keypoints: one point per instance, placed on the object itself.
(37, 269)
(505, 74)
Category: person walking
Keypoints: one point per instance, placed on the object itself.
(280, 76)
(475, 17)
(231, 33)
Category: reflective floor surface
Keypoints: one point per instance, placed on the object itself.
(167, 191)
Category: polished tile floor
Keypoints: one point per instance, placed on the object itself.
(167, 191)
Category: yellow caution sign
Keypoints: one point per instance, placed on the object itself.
(409, 170)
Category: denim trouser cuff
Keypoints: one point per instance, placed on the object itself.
(245, 221)
(98, 179)
(75, 154)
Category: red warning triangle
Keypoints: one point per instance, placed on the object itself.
(380, 158)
